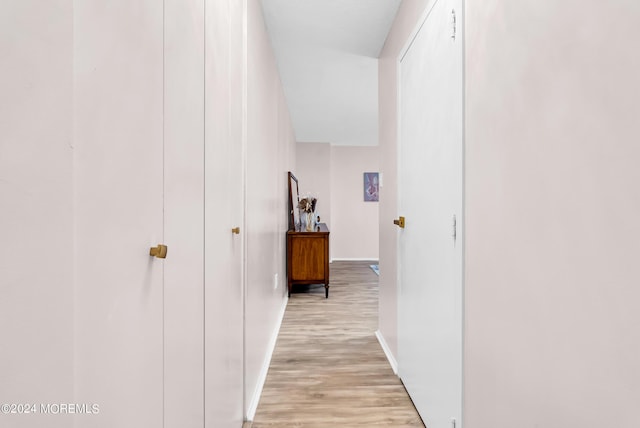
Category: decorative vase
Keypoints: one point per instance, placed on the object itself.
(310, 221)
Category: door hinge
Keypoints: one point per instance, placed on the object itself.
(453, 24)
(455, 227)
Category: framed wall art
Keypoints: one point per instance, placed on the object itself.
(371, 187)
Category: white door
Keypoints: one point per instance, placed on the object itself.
(158, 159)
(224, 190)
(118, 148)
(184, 213)
(430, 198)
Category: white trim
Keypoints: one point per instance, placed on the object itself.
(387, 352)
(255, 399)
(463, 206)
(356, 259)
(244, 141)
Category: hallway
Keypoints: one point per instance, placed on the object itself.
(128, 126)
(328, 368)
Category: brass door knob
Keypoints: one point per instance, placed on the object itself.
(399, 222)
(160, 251)
(235, 230)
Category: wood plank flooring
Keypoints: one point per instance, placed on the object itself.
(328, 369)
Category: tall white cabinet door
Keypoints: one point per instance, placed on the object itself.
(430, 197)
(184, 213)
(224, 195)
(118, 146)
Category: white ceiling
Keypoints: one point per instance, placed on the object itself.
(327, 54)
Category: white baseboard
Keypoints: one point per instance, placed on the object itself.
(387, 352)
(255, 399)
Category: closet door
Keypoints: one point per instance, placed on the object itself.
(184, 221)
(225, 85)
(429, 246)
(159, 113)
(118, 155)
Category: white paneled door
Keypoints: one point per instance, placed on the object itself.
(184, 173)
(118, 146)
(225, 230)
(158, 149)
(430, 198)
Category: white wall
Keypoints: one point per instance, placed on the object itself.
(313, 171)
(42, 74)
(551, 147)
(354, 231)
(334, 174)
(270, 154)
(553, 240)
(36, 207)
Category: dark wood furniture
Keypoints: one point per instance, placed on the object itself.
(308, 257)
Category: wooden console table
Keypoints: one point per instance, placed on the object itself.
(308, 257)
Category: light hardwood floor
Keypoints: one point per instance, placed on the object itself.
(328, 369)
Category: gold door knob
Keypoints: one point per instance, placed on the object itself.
(160, 251)
(399, 222)
(235, 230)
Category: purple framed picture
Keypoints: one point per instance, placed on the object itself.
(371, 186)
